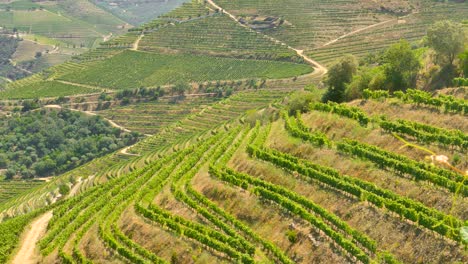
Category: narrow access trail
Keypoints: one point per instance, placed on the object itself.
(357, 31)
(85, 86)
(366, 28)
(26, 254)
(137, 42)
(319, 71)
(124, 151)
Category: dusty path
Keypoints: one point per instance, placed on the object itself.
(137, 42)
(86, 86)
(319, 71)
(124, 151)
(366, 28)
(358, 30)
(26, 254)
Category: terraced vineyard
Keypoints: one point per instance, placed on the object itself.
(209, 117)
(152, 117)
(215, 35)
(215, 193)
(240, 176)
(412, 28)
(139, 11)
(9, 189)
(244, 54)
(46, 89)
(65, 21)
(303, 22)
(151, 70)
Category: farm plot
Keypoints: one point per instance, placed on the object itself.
(10, 189)
(303, 22)
(150, 70)
(412, 28)
(41, 89)
(215, 35)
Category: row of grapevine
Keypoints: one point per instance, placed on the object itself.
(232, 245)
(443, 224)
(450, 180)
(294, 128)
(422, 132)
(182, 181)
(404, 165)
(204, 239)
(426, 133)
(76, 214)
(342, 110)
(459, 82)
(418, 97)
(299, 205)
(222, 157)
(108, 229)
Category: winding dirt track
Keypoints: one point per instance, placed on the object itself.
(27, 254)
(86, 86)
(137, 42)
(319, 71)
(359, 30)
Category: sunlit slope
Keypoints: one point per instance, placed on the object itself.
(75, 23)
(191, 44)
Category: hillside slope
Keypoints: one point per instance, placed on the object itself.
(51, 32)
(229, 171)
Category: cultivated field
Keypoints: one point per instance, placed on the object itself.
(228, 171)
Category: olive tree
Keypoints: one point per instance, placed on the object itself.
(401, 66)
(339, 75)
(447, 38)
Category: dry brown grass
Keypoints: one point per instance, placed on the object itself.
(165, 244)
(93, 248)
(409, 243)
(395, 109)
(337, 127)
(424, 192)
(271, 222)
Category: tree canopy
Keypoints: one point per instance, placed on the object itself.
(48, 142)
(447, 38)
(401, 66)
(340, 74)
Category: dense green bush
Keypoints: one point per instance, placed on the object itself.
(43, 143)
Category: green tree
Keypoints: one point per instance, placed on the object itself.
(300, 101)
(3, 160)
(29, 105)
(180, 88)
(447, 38)
(401, 66)
(367, 78)
(340, 74)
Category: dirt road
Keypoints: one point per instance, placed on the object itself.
(319, 71)
(27, 254)
(86, 86)
(137, 42)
